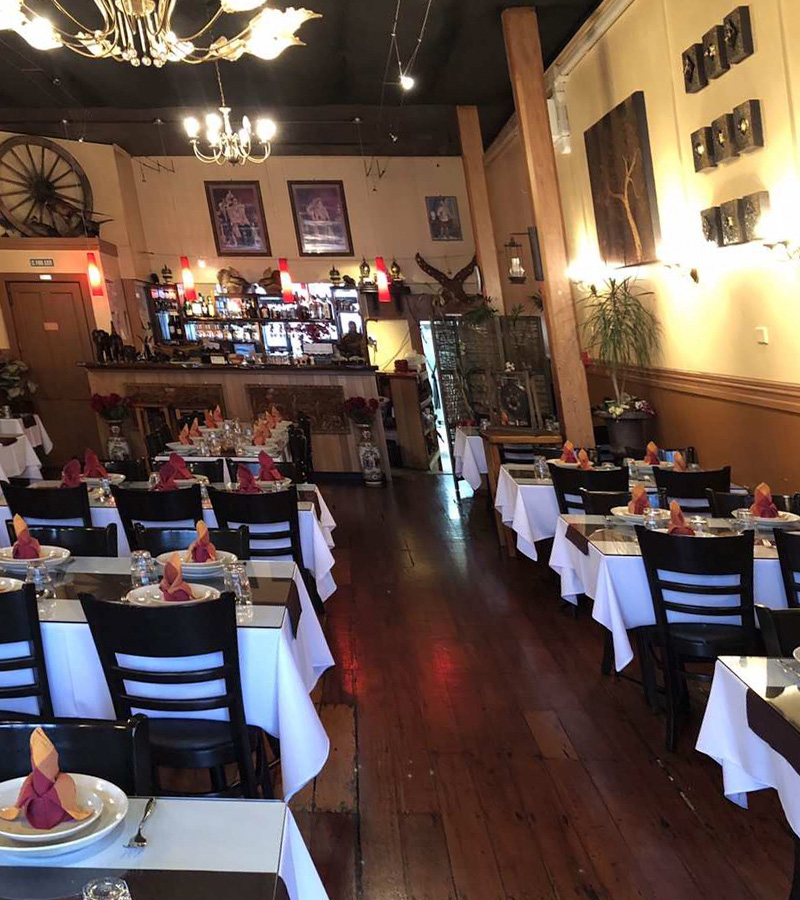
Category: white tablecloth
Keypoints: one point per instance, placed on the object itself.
(618, 586)
(36, 433)
(748, 763)
(278, 669)
(530, 510)
(19, 459)
(470, 457)
(184, 835)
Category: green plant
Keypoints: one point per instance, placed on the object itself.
(12, 379)
(619, 330)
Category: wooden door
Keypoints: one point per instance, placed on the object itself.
(52, 332)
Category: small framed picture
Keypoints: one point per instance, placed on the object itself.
(443, 218)
(237, 218)
(320, 217)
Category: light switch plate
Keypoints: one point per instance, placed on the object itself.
(762, 334)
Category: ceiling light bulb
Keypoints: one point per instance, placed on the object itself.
(192, 127)
(39, 33)
(213, 122)
(406, 82)
(266, 130)
(244, 136)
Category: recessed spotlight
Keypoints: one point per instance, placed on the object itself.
(407, 82)
(45, 278)
(201, 262)
(393, 137)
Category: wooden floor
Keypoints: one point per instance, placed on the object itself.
(476, 750)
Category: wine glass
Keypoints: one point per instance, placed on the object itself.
(106, 889)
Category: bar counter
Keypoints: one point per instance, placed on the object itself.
(242, 391)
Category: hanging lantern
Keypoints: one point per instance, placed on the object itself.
(286, 281)
(335, 276)
(364, 270)
(94, 275)
(516, 273)
(187, 278)
(395, 271)
(382, 280)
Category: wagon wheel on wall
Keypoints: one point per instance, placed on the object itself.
(43, 189)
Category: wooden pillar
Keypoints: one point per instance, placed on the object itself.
(469, 128)
(524, 52)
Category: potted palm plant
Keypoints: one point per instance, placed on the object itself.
(620, 332)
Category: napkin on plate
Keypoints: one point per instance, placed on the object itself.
(651, 454)
(583, 460)
(179, 467)
(194, 431)
(260, 434)
(677, 521)
(48, 796)
(183, 437)
(172, 586)
(679, 463)
(209, 415)
(71, 474)
(275, 413)
(166, 479)
(763, 507)
(25, 546)
(247, 481)
(201, 550)
(268, 471)
(568, 453)
(218, 419)
(639, 500)
(92, 467)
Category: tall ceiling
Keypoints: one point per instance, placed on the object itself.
(315, 93)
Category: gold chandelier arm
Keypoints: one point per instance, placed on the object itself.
(205, 27)
(202, 156)
(67, 14)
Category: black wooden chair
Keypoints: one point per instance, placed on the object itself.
(118, 752)
(780, 630)
(569, 481)
(78, 540)
(298, 450)
(693, 486)
(600, 503)
(304, 423)
(161, 638)
(666, 454)
(162, 540)
(526, 454)
(29, 693)
(212, 469)
(156, 441)
(49, 505)
(723, 505)
(788, 546)
(184, 506)
(674, 564)
(132, 469)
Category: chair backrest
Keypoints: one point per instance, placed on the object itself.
(157, 440)
(723, 504)
(132, 469)
(667, 454)
(49, 504)
(780, 630)
(272, 517)
(145, 653)
(568, 483)
(693, 577)
(212, 469)
(304, 422)
(298, 449)
(693, 485)
(78, 540)
(141, 505)
(24, 687)
(118, 752)
(162, 540)
(788, 546)
(527, 453)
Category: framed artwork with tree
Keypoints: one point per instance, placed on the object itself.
(623, 187)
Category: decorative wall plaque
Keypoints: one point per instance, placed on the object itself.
(748, 129)
(694, 71)
(732, 224)
(738, 31)
(703, 149)
(323, 404)
(724, 138)
(715, 52)
(712, 225)
(753, 208)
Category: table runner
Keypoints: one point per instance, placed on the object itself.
(469, 456)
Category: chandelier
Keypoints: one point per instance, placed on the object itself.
(140, 32)
(225, 144)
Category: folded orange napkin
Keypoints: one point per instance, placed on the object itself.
(677, 521)
(651, 455)
(247, 481)
(183, 437)
(71, 474)
(172, 586)
(194, 431)
(679, 462)
(25, 546)
(48, 796)
(179, 467)
(92, 467)
(218, 419)
(268, 471)
(260, 434)
(210, 423)
(275, 413)
(763, 507)
(568, 453)
(166, 479)
(639, 500)
(201, 550)
(583, 460)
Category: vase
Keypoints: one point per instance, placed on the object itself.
(118, 446)
(369, 457)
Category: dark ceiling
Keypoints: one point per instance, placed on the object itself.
(314, 92)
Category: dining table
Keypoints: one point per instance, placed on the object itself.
(196, 848)
(599, 556)
(18, 458)
(282, 652)
(469, 456)
(31, 426)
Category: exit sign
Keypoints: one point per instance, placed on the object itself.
(42, 263)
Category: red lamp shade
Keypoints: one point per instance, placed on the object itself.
(382, 280)
(286, 281)
(94, 275)
(188, 280)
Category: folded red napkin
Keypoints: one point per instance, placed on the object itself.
(179, 467)
(268, 471)
(651, 455)
(763, 507)
(48, 796)
(71, 474)
(639, 500)
(260, 434)
(583, 460)
(218, 420)
(92, 467)
(25, 546)
(166, 479)
(677, 521)
(172, 586)
(568, 453)
(201, 550)
(183, 437)
(247, 481)
(194, 431)
(210, 423)
(679, 462)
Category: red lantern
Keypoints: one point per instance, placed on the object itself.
(94, 275)
(382, 280)
(286, 281)
(188, 280)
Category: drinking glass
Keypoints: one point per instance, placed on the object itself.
(650, 518)
(152, 481)
(744, 520)
(142, 572)
(237, 580)
(105, 489)
(699, 524)
(106, 889)
(540, 468)
(39, 576)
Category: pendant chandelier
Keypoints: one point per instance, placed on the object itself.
(226, 145)
(140, 32)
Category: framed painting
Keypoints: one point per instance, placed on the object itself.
(443, 218)
(623, 187)
(237, 218)
(320, 217)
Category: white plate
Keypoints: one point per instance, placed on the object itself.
(783, 519)
(190, 482)
(267, 484)
(621, 512)
(113, 477)
(178, 447)
(563, 464)
(114, 809)
(51, 557)
(796, 653)
(21, 830)
(641, 464)
(10, 584)
(195, 568)
(151, 595)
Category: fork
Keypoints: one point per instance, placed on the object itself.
(139, 841)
